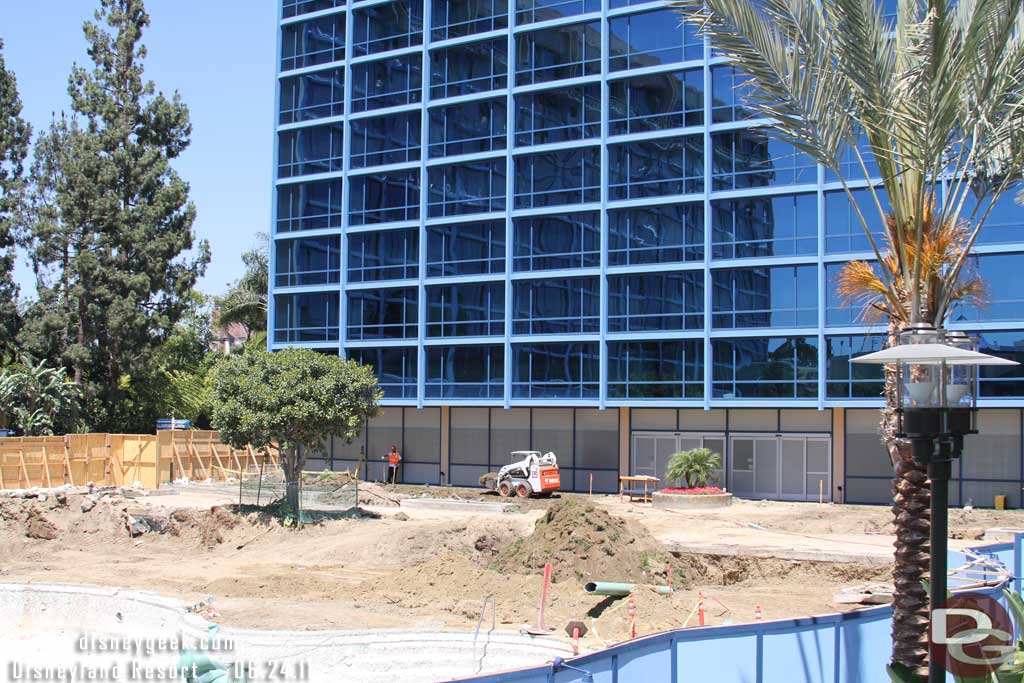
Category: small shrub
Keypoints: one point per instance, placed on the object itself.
(697, 467)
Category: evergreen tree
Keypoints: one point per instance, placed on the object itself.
(14, 141)
(111, 239)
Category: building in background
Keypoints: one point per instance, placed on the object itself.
(553, 226)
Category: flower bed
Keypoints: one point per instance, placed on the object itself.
(692, 498)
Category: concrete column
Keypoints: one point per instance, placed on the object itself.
(624, 441)
(838, 454)
(445, 442)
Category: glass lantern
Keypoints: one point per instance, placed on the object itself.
(961, 388)
(936, 392)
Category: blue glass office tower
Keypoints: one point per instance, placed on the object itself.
(551, 224)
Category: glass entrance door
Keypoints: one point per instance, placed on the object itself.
(790, 467)
(652, 451)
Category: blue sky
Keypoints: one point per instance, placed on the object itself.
(219, 54)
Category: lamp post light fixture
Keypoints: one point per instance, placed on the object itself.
(936, 407)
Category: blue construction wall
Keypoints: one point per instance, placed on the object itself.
(837, 648)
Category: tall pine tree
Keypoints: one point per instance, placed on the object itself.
(112, 240)
(14, 141)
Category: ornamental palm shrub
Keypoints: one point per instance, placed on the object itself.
(931, 102)
(696, 466)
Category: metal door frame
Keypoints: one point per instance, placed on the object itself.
(804, 437)
(702, 434)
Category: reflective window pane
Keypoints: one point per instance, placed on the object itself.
(558, 241)
(1002, 381)
(652, 168)
(750, 158)
(466, 248)
(380, 140)
(556, 306)
(455, 18)
(558, 52)
(729, 88)
(656, 102)
(656, 301)
(782, 225)
(390, 26)
(387, 83)
(384, 255)
(838, 311)
(312, 96)
(316, 149)
(382, 314)
(778, 296)
(308, 261)
(656, 234)
(656, 369)
(565, 176)
(474, 309)
(844, 232)
(308, 317)
(469, 68)
(469, 127)
(293, 8)
(309, 206)
(469, 187)
(395, 368)
(1005, 222)
(846, 379)
(758, 367)
(529, 11)
(559, 370)
(558, 115)
(640, 40)
(1004, 296)
(465, 372)
(312, 42)
(384, 197)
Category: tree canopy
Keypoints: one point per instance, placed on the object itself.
(14, 142)
(110, 233)
(293, 399)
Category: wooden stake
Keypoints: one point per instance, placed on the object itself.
(177, 456)
(591, 484)
(46, 467)
(3, 458)
(216, 456)
(821, 492)
(24, 470)
(70, 476)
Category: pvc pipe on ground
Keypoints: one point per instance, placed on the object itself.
(619, 589)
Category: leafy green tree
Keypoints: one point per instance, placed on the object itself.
(933, 94)
(110, 231)
(14, 141)
(37, 399)
(294, 399)
(246, 300)
(696, 466)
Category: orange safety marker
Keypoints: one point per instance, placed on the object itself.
(700, 608)
(757, 613)
(632, 617)
(540, 628)
(668, 572)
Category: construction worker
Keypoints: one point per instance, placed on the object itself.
(394, 457)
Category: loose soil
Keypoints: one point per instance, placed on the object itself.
(433, 569)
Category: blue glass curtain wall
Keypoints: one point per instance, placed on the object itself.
(528, 202)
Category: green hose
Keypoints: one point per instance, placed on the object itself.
(619, 589)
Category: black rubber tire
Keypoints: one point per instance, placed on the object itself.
(523, 490)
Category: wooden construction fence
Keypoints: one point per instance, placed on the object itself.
(122, 459)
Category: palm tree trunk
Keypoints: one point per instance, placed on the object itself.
(910, 508)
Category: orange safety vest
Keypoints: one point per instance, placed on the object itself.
(393, 459)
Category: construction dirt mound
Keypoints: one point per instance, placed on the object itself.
(583, 542)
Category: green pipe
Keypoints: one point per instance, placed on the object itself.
(619, 589)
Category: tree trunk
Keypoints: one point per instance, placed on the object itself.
(292, 473)
(912, 520)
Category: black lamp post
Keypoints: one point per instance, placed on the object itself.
(936, 407)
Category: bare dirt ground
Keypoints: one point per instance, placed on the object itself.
(415, 568)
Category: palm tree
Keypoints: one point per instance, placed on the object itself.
(246, 300)
(934, 100)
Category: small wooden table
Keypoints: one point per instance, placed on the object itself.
(630, 486)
